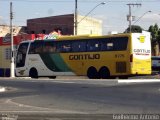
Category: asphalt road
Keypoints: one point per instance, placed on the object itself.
(69, 98)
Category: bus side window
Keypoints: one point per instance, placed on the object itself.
(21, 55)
(67, 48)
(114, 44)
(64, 46)
(59, 47)
(93, 45)
(52, 49)
(120, 43)
(49, 46)
(107, 45)
(78, 46)
(38, 48)
(110, 46)
(46, 48)
(31, 49)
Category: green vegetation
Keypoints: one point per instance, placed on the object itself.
(155, 38)
(134, 29)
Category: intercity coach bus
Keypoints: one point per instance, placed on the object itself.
(98, 57)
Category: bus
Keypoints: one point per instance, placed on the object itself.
(98, 57)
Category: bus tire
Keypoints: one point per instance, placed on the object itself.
(33, 73)
(92, 73)
(104, 73)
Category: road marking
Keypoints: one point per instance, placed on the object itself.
(40, 109)
(36, 111)
(2, 89)
(119, 81)
(139, 81)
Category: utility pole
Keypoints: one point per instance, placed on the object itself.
(130, 17)
(75, 17)
(12, 44)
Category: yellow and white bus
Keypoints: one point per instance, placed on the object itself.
(108, 56)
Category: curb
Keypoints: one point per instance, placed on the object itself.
(139, 81)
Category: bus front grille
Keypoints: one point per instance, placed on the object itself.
(121, 67)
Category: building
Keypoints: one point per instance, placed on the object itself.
(86, 25)
(5, 30)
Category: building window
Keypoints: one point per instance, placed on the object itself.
(44, 31)
(7, 53)
(32, 32)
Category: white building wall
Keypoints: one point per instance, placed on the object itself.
(5, 29)
(89, 26)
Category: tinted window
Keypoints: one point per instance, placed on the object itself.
(64, 46)
(114, 44)
(104, 44)
(107, 45)
(36, 47)
(49, 46)
(78, 46)
(21, 55)
(93, 45)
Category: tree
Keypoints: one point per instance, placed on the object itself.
(155, 38)
(154, 32)
(158, 37)
(151, 30)
(134, 29)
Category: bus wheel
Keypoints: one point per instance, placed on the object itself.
(104, 73)
(92, 73)
(33, 73)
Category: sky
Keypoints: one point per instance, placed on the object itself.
(113, 13)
